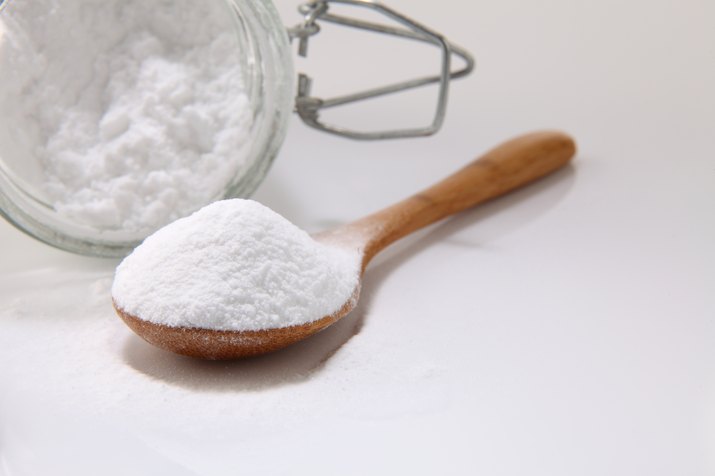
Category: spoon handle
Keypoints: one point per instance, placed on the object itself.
(508, 166)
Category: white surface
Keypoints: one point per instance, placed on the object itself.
(567, 329)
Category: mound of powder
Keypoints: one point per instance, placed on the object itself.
(134, 110)
(234, 265)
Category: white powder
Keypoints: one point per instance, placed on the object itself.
(234, 265)
(134, 110)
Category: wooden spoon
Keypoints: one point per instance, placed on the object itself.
(505, 168)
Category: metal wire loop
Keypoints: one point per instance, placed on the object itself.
(308, 107)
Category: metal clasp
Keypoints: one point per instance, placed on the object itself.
(308, 107)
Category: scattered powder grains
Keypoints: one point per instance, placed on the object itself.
(134, 111)
(234, 265)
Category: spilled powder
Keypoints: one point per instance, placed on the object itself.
(234, 265)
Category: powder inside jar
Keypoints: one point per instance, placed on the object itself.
(234, 265)
(133, 113)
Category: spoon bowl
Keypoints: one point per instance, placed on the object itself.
(226, 345)
(509, 166)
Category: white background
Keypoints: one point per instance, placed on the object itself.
(565, 329)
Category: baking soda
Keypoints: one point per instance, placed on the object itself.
(235, 265)
(134, 111)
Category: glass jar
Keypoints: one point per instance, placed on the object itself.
(267, 76)
(53, 84)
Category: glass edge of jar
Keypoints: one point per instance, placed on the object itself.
(281, 70)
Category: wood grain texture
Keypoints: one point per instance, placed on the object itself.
(507, 167)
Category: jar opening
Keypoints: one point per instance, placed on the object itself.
(120, 116)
